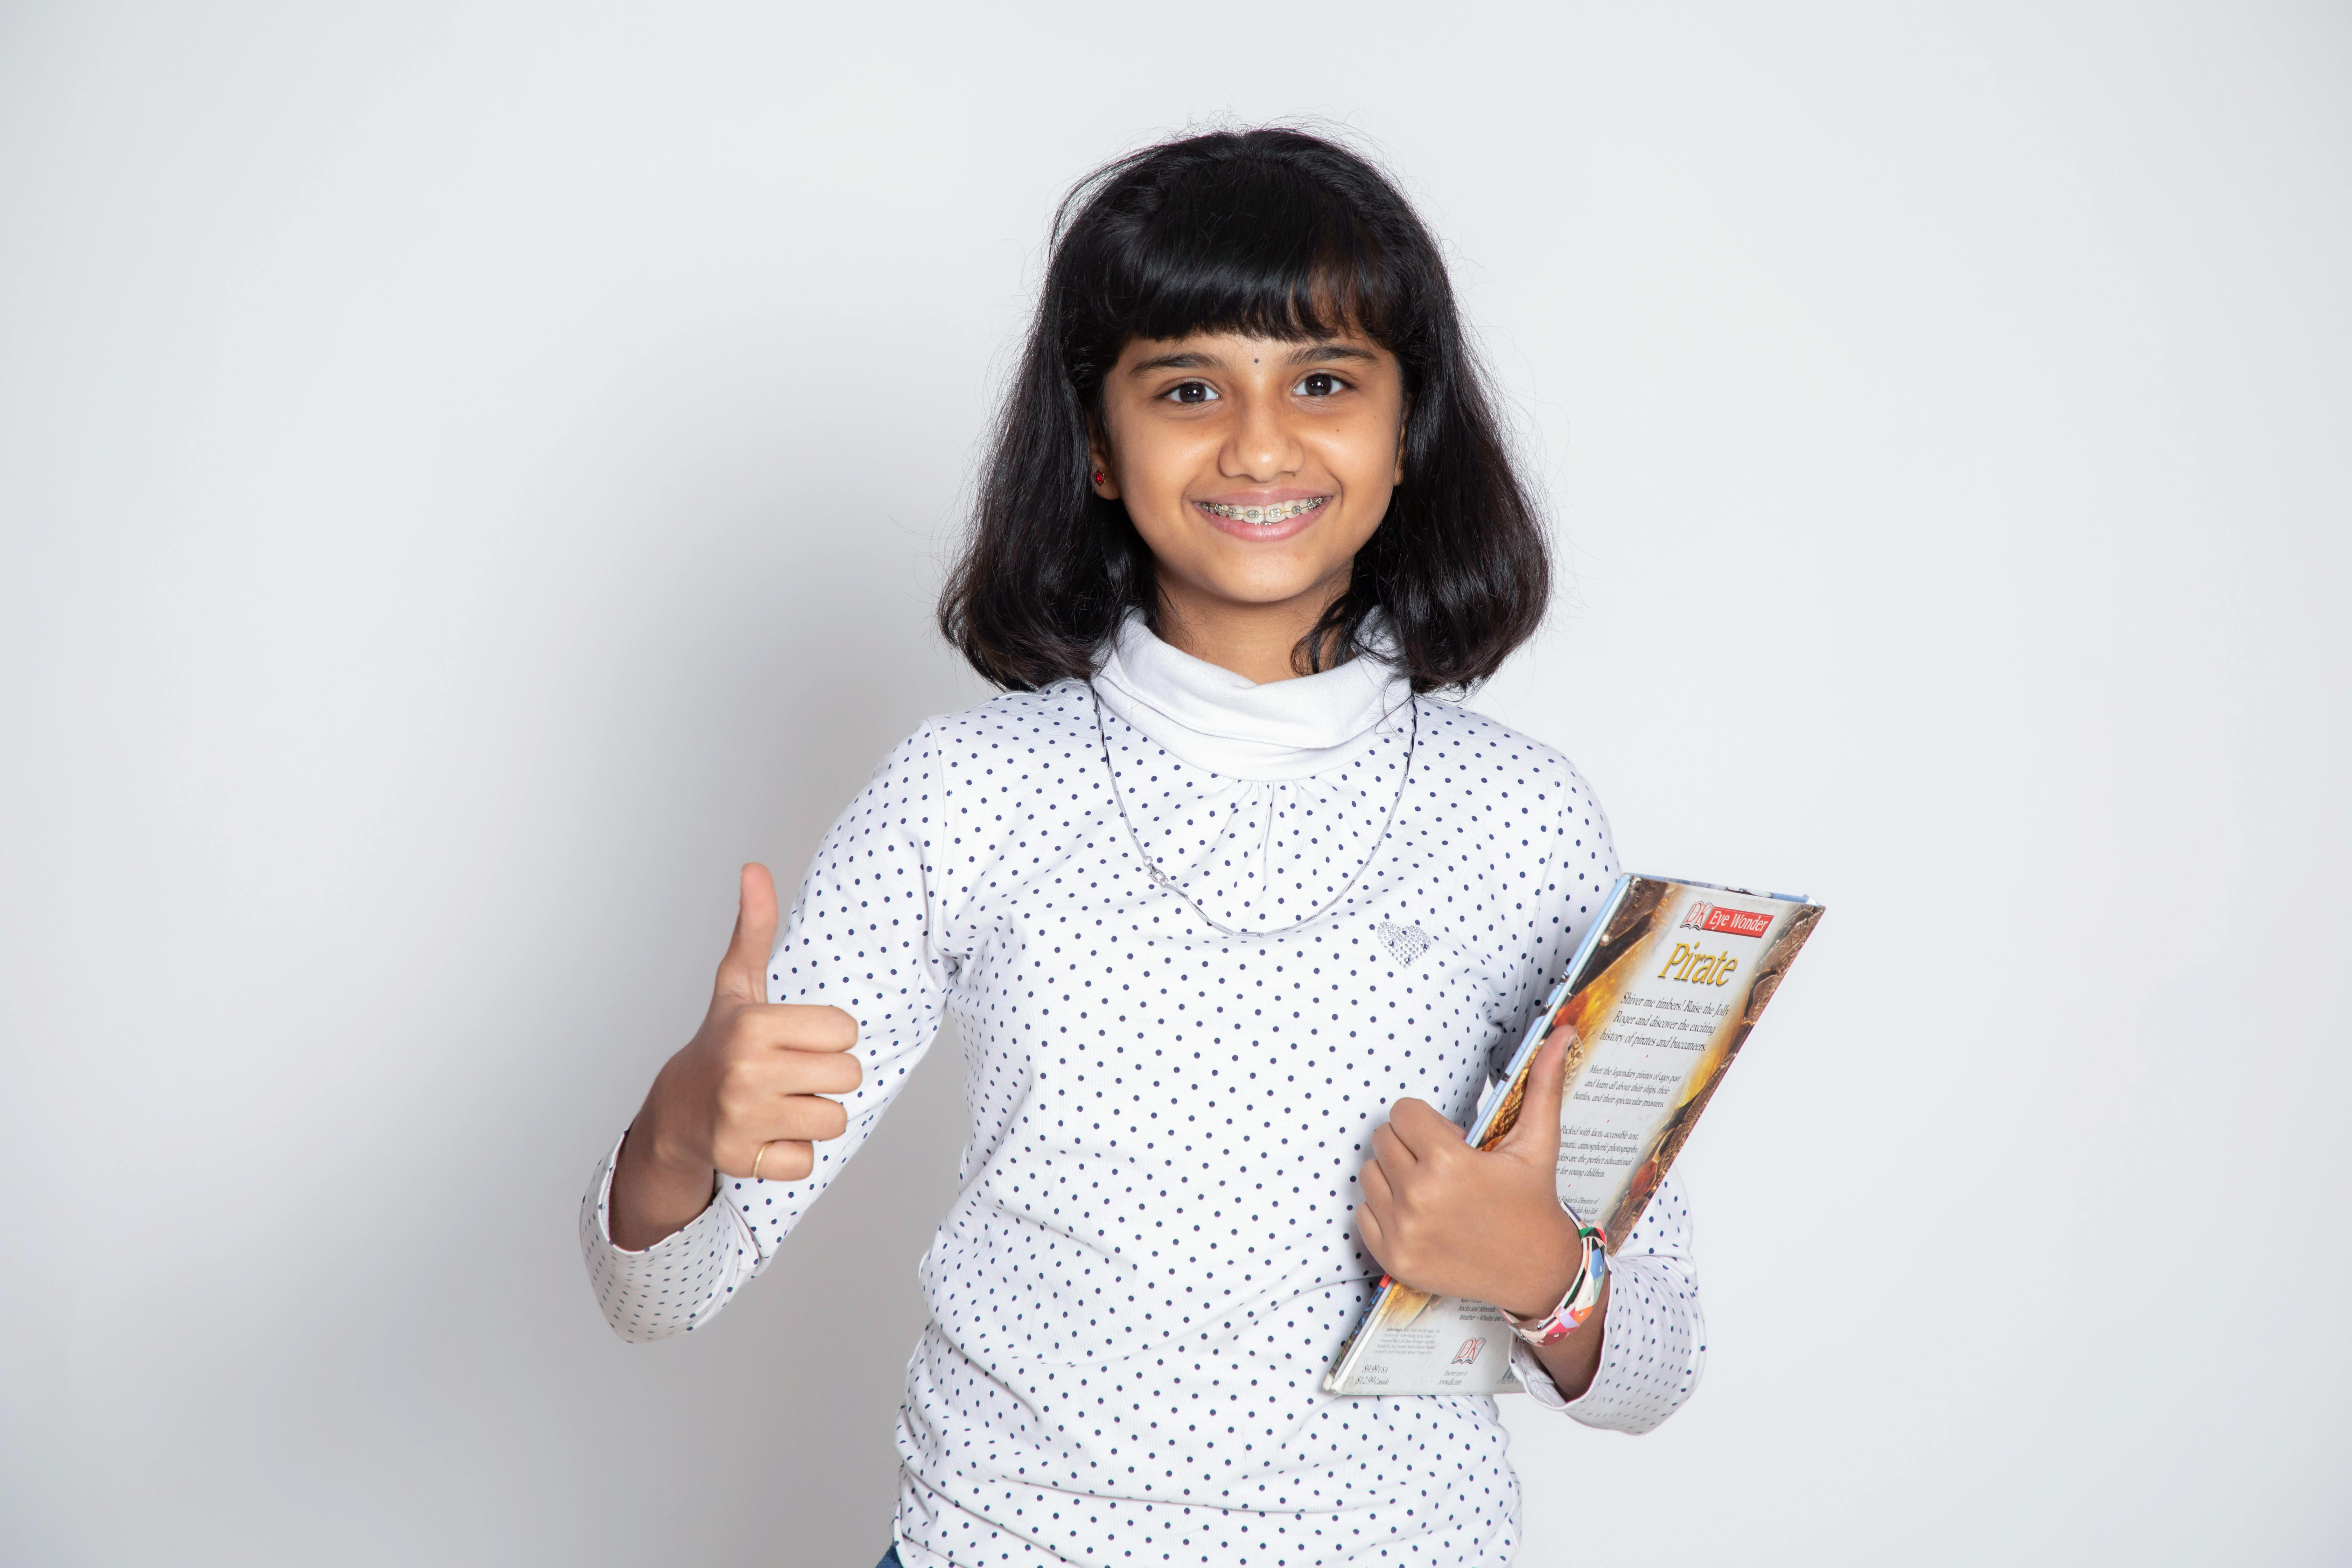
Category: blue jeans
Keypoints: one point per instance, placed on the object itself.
(890, 1558)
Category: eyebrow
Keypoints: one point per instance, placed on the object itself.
(1308, 353)
(1186, 361)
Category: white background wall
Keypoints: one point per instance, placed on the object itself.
(469, 475)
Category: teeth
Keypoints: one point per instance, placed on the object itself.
(1281, 511)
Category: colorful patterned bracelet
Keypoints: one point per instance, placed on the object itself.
(1584, 1292)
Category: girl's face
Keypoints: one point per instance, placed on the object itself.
(1255, 469)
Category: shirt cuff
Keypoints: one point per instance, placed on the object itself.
(665, 1288)
(1530, 1368)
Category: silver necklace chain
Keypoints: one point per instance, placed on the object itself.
(1161, 875)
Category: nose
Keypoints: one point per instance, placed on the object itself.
(1261, 447)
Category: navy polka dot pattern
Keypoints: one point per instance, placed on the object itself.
(1655, 1346)
(1152, 1260)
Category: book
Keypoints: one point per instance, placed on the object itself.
(1660, 996)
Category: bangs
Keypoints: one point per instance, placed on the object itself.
(1249, 245)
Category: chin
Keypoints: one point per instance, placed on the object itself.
(1258, 590)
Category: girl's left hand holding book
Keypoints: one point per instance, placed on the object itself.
(1444, 1218)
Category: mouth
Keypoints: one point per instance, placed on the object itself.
(1264, 516)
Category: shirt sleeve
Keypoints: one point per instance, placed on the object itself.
(860, 937)
(1653, 1340)
(1570, 882)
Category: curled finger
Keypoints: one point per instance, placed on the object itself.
(771, 1160)
(815, 1072)
(1390, 1146)
(811, 1118)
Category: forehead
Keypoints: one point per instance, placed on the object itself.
(1204, 350)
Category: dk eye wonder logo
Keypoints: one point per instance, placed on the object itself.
(1705, 916)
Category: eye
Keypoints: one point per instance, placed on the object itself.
(1191, 392)
(1322, 384)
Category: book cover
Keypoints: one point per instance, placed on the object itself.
(1668, 983)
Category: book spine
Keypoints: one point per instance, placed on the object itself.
(1538, 1026)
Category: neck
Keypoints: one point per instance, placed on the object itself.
(1258, 642)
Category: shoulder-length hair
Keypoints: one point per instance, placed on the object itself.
(1272, 233)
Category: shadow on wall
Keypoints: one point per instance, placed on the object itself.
(687, 642)
(770, 1432)
(791, 1392)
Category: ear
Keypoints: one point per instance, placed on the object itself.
(1098, 462)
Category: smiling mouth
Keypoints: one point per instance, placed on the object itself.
(1281, 511)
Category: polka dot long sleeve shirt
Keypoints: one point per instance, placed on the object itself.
(1151, 1261)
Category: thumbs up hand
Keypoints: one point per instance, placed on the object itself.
(745, 1091)
(1452, 1220)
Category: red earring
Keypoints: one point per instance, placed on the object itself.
(1098, 476)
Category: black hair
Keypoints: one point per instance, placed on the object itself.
(1275, 233)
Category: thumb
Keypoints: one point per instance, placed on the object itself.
(1535, 1136)
(743, 972)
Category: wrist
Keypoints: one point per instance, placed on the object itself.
(652, 1146)
(1551, 1265)
(1579, 1300)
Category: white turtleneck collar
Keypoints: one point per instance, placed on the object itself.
(1213, 719)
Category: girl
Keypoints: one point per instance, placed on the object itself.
(1235, 915)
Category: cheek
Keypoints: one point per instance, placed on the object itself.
(1165, 537)
(1370, 477)
(1156, 458)
(1365, 454)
